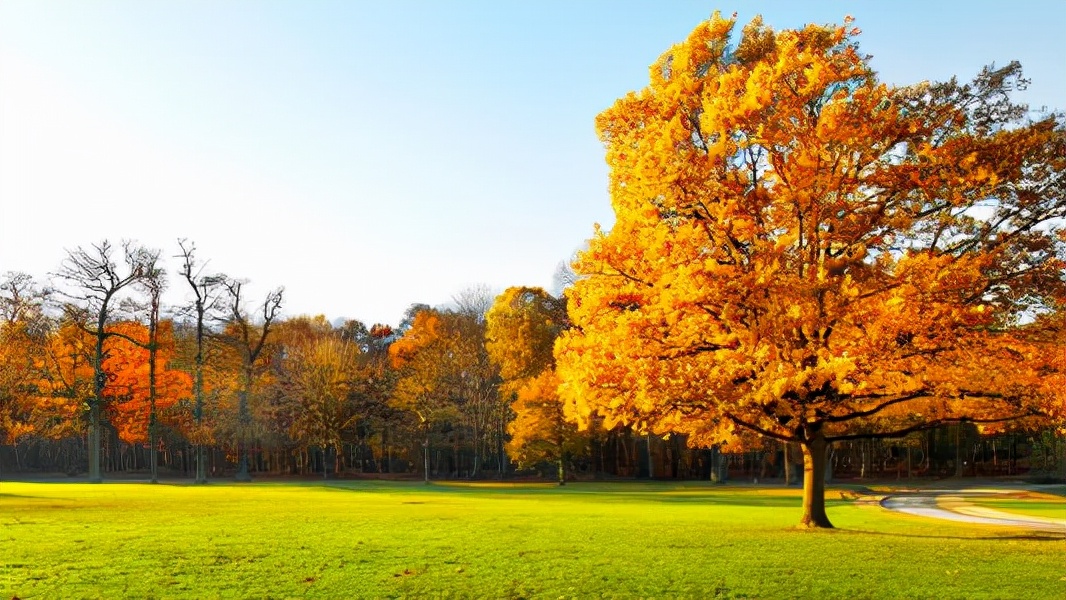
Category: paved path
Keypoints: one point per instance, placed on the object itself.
(953, 505)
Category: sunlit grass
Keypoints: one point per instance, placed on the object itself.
(372, 539)
(1034, 504)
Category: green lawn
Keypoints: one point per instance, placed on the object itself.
(373, 539)
(1037, 505)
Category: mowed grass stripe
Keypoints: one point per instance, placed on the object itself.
(1051, 509)
(388, 539)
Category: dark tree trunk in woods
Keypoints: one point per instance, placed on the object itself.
(244, 421)
(787, 463)
(651, 461)
(154, 283)
(94, 425)
(500, 455)
(425, 459)
(562, 460)
(717, 460)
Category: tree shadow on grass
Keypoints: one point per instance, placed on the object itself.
(621, 494)
(4, 495)
(738, 500)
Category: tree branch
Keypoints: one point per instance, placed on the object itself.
(760, 430)
(926, 426)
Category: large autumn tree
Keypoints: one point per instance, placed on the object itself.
(805, 252)
(94, 283)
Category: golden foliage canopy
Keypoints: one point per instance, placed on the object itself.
(321, 374)
(803, 251)
(523, 324)
(127, 365)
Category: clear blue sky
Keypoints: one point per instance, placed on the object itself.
(368, 155)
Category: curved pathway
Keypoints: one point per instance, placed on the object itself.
(952, 505)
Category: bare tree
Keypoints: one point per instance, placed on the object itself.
(248, 339)
(474, 301)
(478, 381)
(21, 299)
(563, 278)
(95, 282)
(206, 298)
(154, 283)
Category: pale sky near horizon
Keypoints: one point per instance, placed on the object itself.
(370, 155)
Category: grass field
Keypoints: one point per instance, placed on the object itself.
(388, 539)
(1027, 504)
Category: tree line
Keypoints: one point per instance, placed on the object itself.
(99, 377)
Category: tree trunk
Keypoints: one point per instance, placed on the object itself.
(814, 483)
(244, 420)
(95, 425)
(153, 441)
(719, 466)
(651, 467)
(500, 455)
(477, 450)
(94, 441)
(866, 450)
(714, 464)
(787, 464)
(384, 465)
(958, 451)
(198, 390)
(425, 453)
(455, 454)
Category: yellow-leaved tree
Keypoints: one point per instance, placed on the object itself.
(807, 253)
(321, 375)
(522, 327)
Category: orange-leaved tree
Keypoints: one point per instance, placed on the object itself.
(522, 327)
(94, 283)
(445, 378)
(65, 383)
(23, 338)
(128, 378)
(421, 357)
(805, 252)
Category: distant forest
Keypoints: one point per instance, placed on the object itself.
(227, 387)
